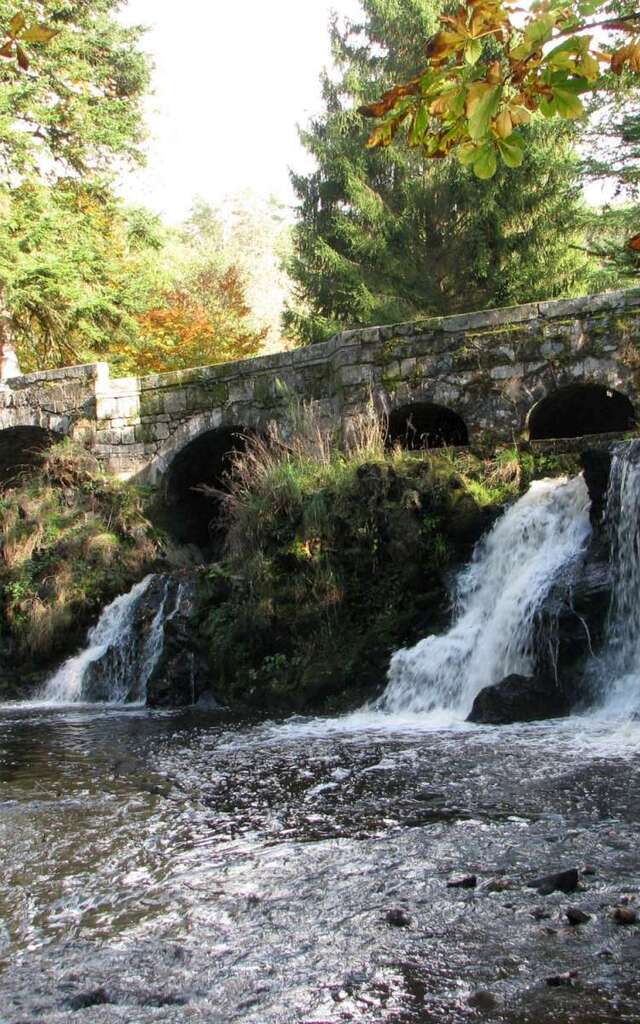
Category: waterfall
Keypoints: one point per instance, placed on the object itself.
(618, 668)
(119, 658)
(497, 597)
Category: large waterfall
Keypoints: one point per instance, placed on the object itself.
(119, 657)
(497, 597)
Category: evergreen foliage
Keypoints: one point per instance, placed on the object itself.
(78, 270)
(80, 103)
(387, 235)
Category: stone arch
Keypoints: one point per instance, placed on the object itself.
(190, 514)
(22, 448)
(425, 424)
(580, 409)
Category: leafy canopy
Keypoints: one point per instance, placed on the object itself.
(72, 83)
(488, 70)
(202, 322)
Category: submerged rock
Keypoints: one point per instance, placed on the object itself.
(398, 917)
(625, 915)
(519, 699)
(468, 882)
(85, 1000)
(558, 980)
(561, 881)
(576, 916)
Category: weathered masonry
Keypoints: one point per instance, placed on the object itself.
(547, 369)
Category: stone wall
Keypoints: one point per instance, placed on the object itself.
(489, 367)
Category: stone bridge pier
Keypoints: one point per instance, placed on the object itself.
(548, 369)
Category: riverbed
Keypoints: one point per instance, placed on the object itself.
(186, 867)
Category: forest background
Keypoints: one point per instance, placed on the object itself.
(376, 236)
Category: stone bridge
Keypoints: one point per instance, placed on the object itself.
(547, 369)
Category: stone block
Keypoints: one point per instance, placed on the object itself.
(174, 401)
(503, 372)
(489, 318)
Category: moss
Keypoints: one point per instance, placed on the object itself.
(71, 541)
(347, 562)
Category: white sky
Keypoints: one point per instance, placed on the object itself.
(233, 79)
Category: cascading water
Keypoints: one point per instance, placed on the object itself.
(497, 597)
(117, 662)
(618, 668)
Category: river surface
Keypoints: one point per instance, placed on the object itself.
(183, 867)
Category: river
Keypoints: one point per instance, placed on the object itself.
(191, 866)
(185, 867)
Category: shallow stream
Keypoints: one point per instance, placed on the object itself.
(182, 867)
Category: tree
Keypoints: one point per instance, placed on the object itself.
(202, 322)
(78, 105)
(78, 268)
(485, 74)
(72, 83)
(246, 232)
(385, 234)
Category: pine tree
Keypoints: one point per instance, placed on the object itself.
(386, 235)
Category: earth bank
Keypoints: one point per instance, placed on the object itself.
(328, 569)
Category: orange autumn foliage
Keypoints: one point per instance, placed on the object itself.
(198, 324)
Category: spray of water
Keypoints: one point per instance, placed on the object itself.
(497, 597)
(113, 653)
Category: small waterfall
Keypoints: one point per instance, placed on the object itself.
(118, 659)
(497, 597)
(618, 668)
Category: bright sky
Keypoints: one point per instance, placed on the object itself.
(232, 81)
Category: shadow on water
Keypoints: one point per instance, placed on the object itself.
(154, 862)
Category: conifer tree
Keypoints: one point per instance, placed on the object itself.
(387, 235)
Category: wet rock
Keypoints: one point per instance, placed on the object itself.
(398, 917)
(426, 793)
(482, 1000)
(181, 677)
(558, 980)
(540, 914)
(519, 699)
(625, 915)
(576, 916)
(84, 1000)
(596, 466)
(467, 882)
(562, 881)
(498, 885)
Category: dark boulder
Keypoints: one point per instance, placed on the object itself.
(519, 699)
(560, 881)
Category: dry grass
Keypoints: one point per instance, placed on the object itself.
(69, 464)
(70, 540)
(270, 476)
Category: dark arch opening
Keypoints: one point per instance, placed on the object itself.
(193, 517)
(22, 449)
(426, 425)
(581, 409)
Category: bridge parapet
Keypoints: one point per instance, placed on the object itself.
(488, 368)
